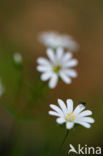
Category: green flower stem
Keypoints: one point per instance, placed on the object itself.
(63, 142)
(19, 84)
(37, 91)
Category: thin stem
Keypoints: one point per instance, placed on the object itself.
(61, 146)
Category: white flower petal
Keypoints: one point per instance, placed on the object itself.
(64, 77)
(87, 119)
(59, 53)
(67, 57)
(62, 105)
(71, 63)
(43, 61)
(69, 125)
(53, 81)
(43, 68)
(60, 120)
(54, 113)
(54, 39)
(56, 108)
(45, 76)
(50, 54)
(78, 109)
(70, 72)
(87, 125)
(70, 105)
(73, 46)
(85, 113)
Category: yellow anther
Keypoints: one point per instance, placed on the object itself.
(73, 117)
(69, 118)
(66, 117)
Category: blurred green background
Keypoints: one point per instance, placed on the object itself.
(26, 129)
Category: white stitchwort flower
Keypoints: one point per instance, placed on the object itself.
(66, 114)
(58, 65)
(2, 90)
(55, 40)
(17, 58)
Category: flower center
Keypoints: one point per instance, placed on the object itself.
(70, 117)
(57, 68)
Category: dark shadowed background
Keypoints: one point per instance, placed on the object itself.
(26, 129)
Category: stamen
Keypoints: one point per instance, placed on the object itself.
(57, 68)
(66, 117)
(70, 116)
(73, 117)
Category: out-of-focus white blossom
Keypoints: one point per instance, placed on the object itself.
(58, 65)
(55, 40)
(17, 58)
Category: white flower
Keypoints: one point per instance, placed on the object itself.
(58, 65)
(17, 58)
(55, 40)
(66, 114)
(2, 90)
